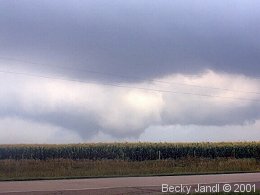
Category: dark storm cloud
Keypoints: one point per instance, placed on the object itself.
(142, 38)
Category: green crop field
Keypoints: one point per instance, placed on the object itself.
(131, 151)
(126, 159)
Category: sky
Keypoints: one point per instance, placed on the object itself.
(140, 70)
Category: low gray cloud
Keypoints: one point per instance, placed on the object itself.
(91, 109)
(146, 39)
(193, 133)
(16, 130)
(128, 43)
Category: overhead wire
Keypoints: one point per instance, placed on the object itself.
(125, 86)
(132, 77)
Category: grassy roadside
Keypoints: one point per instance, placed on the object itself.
(66, 168)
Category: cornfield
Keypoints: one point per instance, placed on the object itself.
(131, 151)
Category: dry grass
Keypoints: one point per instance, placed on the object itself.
(22, 169)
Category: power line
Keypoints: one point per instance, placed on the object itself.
(124, 86)
(135, 77)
